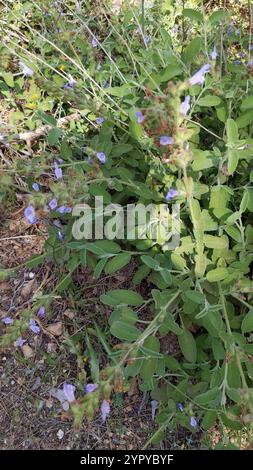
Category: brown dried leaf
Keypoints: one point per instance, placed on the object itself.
(68, 313)
(27, 351)
(55, 329)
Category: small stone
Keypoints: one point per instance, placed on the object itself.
(60, 434)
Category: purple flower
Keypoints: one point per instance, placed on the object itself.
(57, 171)
(70, 84)
(237, 32)
(193, 422)
(26, 70)
(199, 77)
(213, 54)
(185, 105)
(105, 410)
(94, 42)
(180, 407)
(250, 47)
(69, 392)
(242, 54)
(30, 215)
(33, 326)
(140, 117)
(19, 342)
(166, 140)
(237, 62)
(89, 388)
(36, 187)
(154, 405)
(100, 120)
(147, 40)
(171, 194)
(175, 29)
(250, 63)
(41, 312)
(7, 321)
(64, 210)
(53, 204)
(60, 236)
(101, 156)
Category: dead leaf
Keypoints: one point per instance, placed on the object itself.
(55, 329)
(28, 289)
(27, 351)
(68, 313)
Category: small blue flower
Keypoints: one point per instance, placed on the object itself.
(94, 42)
(100, 120)
(154, 405)
(71, 83)
(237, 62)
(214, 54)
(64, 210)
(147, 40)
(102, 157)
(57, 171)
(36, 187)
(7, 321)
(19, 342)
(171, 194)
(185, 105)
(89, 388)
(41, 312)
(199, 77)
(30, 215)
(69, 392)
(237, 32)
(53, 204)
(34, 326)
(60, 236)
(193, 422)
(175, 29)
(27, 72)
(180, 407)
(105, 410)
(166, 140)
(140, 117)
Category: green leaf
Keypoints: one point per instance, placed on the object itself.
(117, 262)
(247, 323)
(234, 233)
(122, 297)
(150, 262)
(233, 159)
(104, 247)
(8, 78)
(194, 15)
(247, 103)
(209, 420)
(217, 243)
(47, 119)
(207, 397)
(192, 50)
(217, 274)
(232, 131)
(195, 296)
(209, 100)
(173, 70)
(124, 331)
(99, 268)
(245, 119)
(217, 16)
(54, 135)
(188, 346)
(141, 273)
